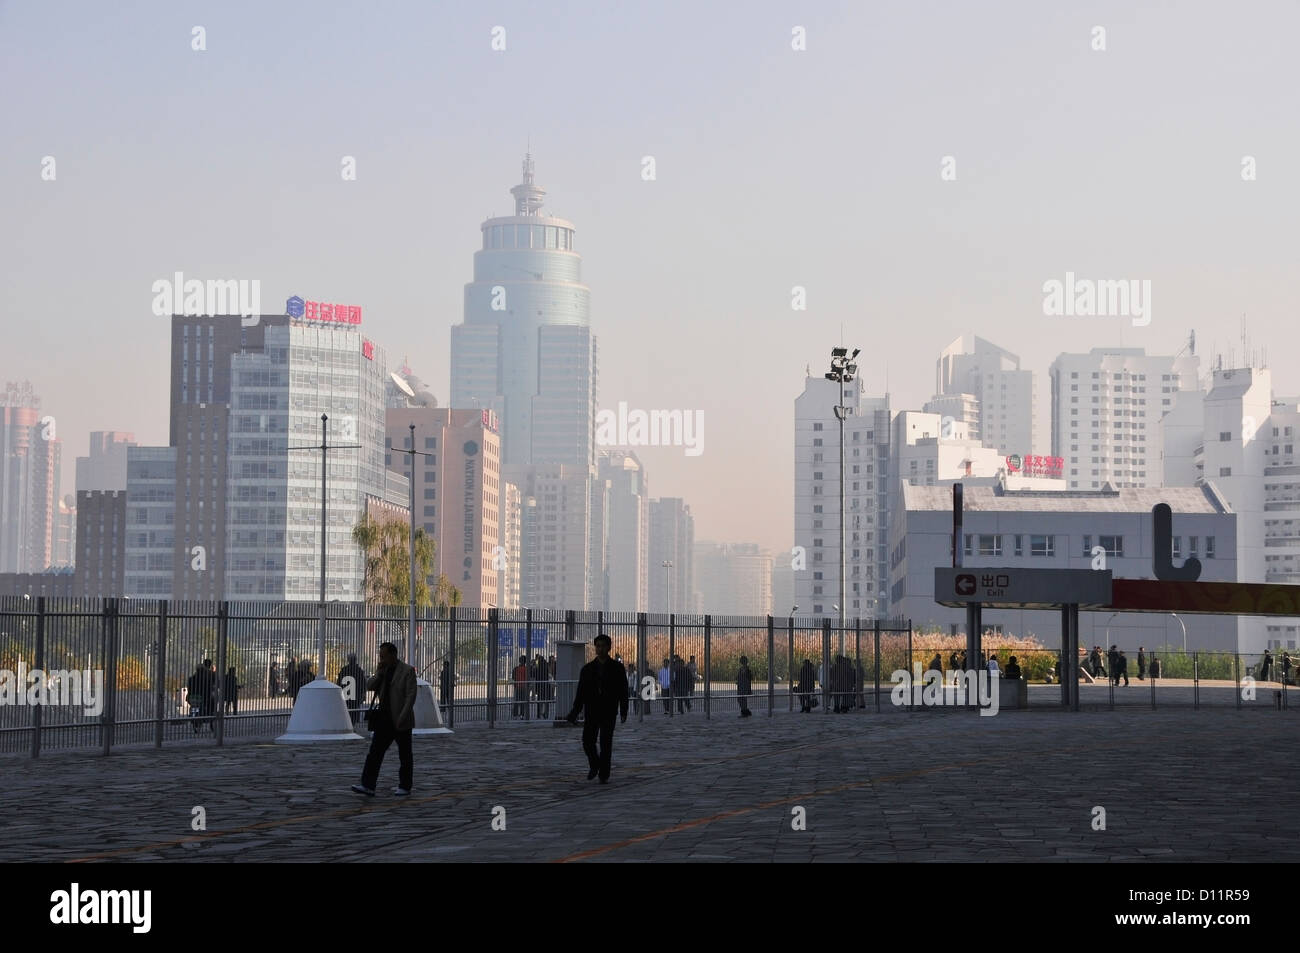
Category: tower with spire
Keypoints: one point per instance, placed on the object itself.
(525, 349)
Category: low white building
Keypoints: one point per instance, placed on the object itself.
(1058, 530)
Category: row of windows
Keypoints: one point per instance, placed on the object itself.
(991, 544)
(551, 237)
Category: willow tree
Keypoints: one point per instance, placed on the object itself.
(385, 545)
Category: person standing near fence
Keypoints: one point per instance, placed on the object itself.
(1142, 664)
(230, 696)
(1266, 667)
(681, 687)
(444, 684)
(665, 687)
(744, 684)
(520, 676)
(541, 678)
(807, 685)
(394, 720)
(273, 680)
(291, 677)
(352, 679)
(601, 694)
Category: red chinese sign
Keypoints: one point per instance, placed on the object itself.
(337, 313)
(296, 307)
(1035, 466)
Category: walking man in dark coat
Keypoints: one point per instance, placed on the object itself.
(394, 681)
(1142, 664)
(602, 694)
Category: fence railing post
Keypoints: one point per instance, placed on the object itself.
(640, 664)
(771, 664)
(223, 622)
(160, 675)
(451, 655)
(493, 655)
(1236, 678)
(1196, 681)
(529, 683)
(108, 642)
(672, 658)
(826, 664)
(40, 664)
(708, 663)
(877, 634)
(789, 663)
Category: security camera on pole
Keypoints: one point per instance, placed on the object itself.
(842, 372)
(320, 712)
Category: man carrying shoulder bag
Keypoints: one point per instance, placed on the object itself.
(391, 718)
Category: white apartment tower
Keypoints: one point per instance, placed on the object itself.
(1107, 407)
(816, 556)
(994, 387)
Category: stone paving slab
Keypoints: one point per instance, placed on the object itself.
(949, 786)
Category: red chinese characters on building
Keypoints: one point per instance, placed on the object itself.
(332, 313)
(1033, 465)
(368, 349)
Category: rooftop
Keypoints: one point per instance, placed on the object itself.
(1181, 499)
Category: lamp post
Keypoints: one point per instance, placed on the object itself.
(668, 585)
(842, 372)
(324, 447)
(1184, 628)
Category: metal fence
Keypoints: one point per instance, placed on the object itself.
(129, 671)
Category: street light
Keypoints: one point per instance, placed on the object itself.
(842, 371)
(1180, 622)
(668, 585)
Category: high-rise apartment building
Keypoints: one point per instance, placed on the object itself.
(555, 535)
(100, 563)
(733, 579)
(1107, 407)
(623, 552)
(672, 540)
(816, 557)
(988, 380)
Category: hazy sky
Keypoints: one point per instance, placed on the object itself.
(775, 168)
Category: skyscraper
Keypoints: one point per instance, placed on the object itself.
(277, 397)
(525, 348)
(30, 457)
(526, 351)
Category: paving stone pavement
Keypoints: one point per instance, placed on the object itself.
(925, 786)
